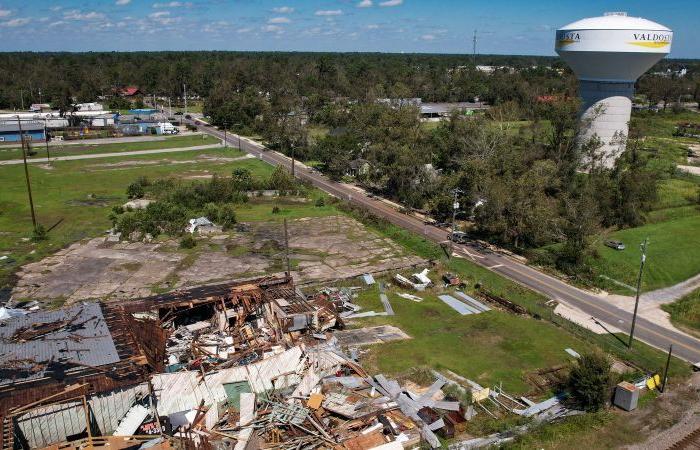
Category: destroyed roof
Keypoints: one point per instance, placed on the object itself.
(77, 334)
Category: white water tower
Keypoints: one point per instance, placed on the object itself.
(608, 54)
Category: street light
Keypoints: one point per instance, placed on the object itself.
(455, 207)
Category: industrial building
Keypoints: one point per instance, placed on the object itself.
(31, 130)
(608, 54)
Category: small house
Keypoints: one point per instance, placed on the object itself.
(358, 167)
(202, 225)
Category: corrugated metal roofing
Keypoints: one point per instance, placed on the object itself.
(84, 339)
(457, 305)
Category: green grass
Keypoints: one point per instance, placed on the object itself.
(677, 192)
(61, 195)
(685, 313)
(661, 124)
(69, 150)
(671, 257)
(489, 348)
(258, 209)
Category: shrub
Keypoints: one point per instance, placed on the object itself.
(590, 381)
(320, 202)
(135, 190)
(39, 234)
(275, 210)
(227, 216)
(211, 212)
(188, 242)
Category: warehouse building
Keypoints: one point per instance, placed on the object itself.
(31, 130)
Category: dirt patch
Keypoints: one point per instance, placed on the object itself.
(674, 415)
(322, 249)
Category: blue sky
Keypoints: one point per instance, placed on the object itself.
(434, 26)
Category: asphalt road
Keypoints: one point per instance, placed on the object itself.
(684, 346)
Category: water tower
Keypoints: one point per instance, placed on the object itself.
(608, 54)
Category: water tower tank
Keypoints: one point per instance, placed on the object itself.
(608, 54)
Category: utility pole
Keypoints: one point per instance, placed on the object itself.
(286, 248)
(184, 87)
(293, 165)
(46, 140)
(170, 107)
(668, 363)
(26, 173)
(225, 142)
(455, 207)
(643, 247)
(474, 49)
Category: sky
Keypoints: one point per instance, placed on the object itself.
(430, 26)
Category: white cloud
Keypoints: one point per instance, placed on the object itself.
(391, 3)
(173, 5)
(122, 2)
(5, 12)
(18, 22)
(428, 37)
(329, 12)
(365, 4)
(283, 10)
(372, 26)
(159, 14)
(279, 20)
(57, 23)
(76, 14)
(273, 29)
(56, 8)
(244, 30)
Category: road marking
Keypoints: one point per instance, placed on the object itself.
(537, 281)
(639, 326)
(496, 266)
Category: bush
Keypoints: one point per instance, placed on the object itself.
(135, 190)
(320, 202)
(590, 381)
(227, 217)
(211, 212)
(188, 242)
(39, 234)
(275, 210)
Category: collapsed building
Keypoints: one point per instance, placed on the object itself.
(245, 365)
(238, 365)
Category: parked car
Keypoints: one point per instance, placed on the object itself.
(459, 237)
(617, 245)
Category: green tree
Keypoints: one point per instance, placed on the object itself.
(590, 381)
(135, 190)
(227, 216)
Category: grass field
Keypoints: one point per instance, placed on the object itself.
(670, 259)
(685, 313)
(491, 347)
(76, 196)
(69, 150)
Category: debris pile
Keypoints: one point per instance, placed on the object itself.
(242, 365)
